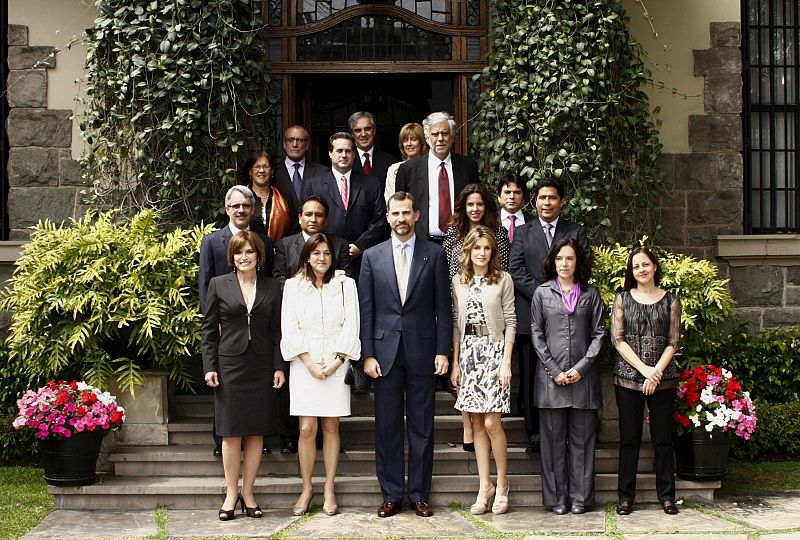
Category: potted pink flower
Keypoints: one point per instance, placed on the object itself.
(70, 419)
(711, 408)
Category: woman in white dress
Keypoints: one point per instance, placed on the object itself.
(320, 333)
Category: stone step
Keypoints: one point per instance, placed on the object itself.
(354, 430)
(197, 460)
(188, 493)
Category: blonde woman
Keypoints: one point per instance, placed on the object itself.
(411, 142)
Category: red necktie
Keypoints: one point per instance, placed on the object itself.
(345, 195)
(511, 229)
(367, 166)
(445, 210)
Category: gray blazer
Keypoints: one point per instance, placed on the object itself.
(563, 342)
(498, 308)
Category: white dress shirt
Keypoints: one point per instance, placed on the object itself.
(505, 222)
(338, 176)
(434, 166)
(409, 250)
(371, 156)
(290, 166)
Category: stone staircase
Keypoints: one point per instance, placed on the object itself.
(185, 475)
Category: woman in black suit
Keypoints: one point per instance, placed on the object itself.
(242, 363)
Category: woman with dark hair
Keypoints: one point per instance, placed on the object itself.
(567, 333)
(484, 326)
(411, 142)
(241, 332)
(320, 334)
(645, 331)
(271, 212)
(475, 206)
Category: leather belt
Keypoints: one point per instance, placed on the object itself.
(480, 330)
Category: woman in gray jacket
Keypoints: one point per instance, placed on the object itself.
(567, 333)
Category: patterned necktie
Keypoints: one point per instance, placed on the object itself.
(402, 273)
(367, 166)
(445, 209)
(345, 195)
(548, 232)
(297, 181)
(512, 228)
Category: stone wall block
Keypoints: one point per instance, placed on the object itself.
(774, 318)
(704, 235)
(69, 170)
(31, 57)
(667, 164)
(723, 94)
(28, 205)
(32, 166)
(27, 88)
(793, 275)
(40, 127)
(726, 34)
(751, 316)
(715, 207)
(718, 61)
(715, 132)
(793, 296)
(695, 171)
(757, 285)
(17, 35)
(730, 170)
(673, 227)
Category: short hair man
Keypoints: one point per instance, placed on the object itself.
(406, 335)
(355, 202)
(531, 244)
(371, 161)
(295, 168)
(436, 179)
(239, 203)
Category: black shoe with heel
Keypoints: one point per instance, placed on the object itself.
(251, 512)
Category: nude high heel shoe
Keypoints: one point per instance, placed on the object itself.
(482, 502)
(300, 510)
(500, 505)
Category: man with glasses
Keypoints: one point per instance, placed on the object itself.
(295, 169)
(239, 202)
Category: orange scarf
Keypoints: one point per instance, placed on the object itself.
(278, 216)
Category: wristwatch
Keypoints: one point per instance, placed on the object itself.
(340, 358)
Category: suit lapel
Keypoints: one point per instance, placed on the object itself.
(386, 258)
(421, 255)
(294, 252)
(355, 189)
(333, 191)
(261, 292)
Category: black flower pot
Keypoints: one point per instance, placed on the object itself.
(71, 461)
(701, 455)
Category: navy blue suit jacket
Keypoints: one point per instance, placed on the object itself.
(380, 161)
(425, 319)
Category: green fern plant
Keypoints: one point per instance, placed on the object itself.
(105, 298)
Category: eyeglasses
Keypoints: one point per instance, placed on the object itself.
(261, 167)
(291, 140)
(240, 206)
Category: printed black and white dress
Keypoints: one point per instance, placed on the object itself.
(480, 361)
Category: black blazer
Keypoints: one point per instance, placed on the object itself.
(287, 256)
(525, 262)
(284, 183)
(412, 176)
(225, 321)
(214, 257)
(380, 161)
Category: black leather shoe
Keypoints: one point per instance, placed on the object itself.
(388, 509)
(577, 509)
(624, 508)
(217, 451)
(289, 447)
(448, 386)
(533, 447)
(560, 510)
(468, 446)
(669, 507)
(422, 509)
(266, 450)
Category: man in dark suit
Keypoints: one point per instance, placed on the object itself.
(295, 169)
(239, 202)
(371, 161)
(356, 205)
(406, 335)
(531, 243)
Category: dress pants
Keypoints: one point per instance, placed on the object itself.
(631, 410)
(568, 441)
(527, 376)
(397, 390)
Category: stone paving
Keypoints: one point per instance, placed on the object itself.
(768, 517)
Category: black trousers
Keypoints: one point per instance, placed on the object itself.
(527, 377)
(288, 426)
(631, 410)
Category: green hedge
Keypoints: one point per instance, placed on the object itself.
(777, 434)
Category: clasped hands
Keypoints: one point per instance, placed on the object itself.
(212, 379)
(652, 378)
(568, 377)
(373, 368)
(322, 370)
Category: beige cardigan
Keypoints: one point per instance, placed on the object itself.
(498, 306)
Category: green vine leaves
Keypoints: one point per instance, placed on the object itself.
(562, 97)
(175, 92)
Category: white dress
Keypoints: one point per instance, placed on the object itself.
(321, 323)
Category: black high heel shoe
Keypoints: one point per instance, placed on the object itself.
(468, 446)
(227, 515)
(251, 512)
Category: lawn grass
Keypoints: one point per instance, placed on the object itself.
(760, 477)
(24, 500)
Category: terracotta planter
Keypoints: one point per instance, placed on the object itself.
(701, 455)
(71, 461)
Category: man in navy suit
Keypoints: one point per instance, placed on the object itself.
(295, 169)
(355, 202)
(441, 169)
(239, 203)
(531, 243)
(406, 335)
(370, 161)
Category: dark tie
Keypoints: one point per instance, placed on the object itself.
(445, 210)
(297, 181)
(367, 166)
(548, 232)
(511, 228)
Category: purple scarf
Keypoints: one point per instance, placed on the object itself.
(571, 299)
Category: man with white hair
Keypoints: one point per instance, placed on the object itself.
(435, 180)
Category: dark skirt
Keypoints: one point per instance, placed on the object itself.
(245, 402)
